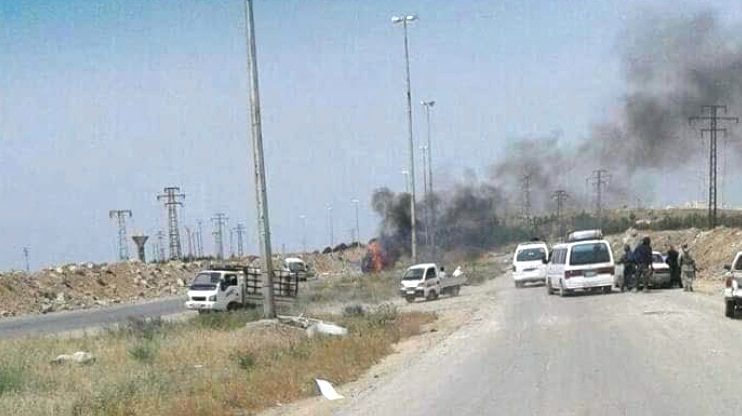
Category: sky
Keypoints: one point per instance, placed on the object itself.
(104, 104)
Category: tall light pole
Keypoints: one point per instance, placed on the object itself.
(355, 202)
(430, 196)
(406, 174)
(332, 228)
(303, 233)
(261, 193)
(413, 217)
(426, 209)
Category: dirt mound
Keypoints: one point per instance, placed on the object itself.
(712, 249)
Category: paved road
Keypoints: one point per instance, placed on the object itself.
(662, 353)
(71, 321)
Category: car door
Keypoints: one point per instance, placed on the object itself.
(431, 279)
(228, 289)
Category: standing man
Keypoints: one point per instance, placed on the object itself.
(643, 259)
(672, 261)
(687, 268)
(627, 259)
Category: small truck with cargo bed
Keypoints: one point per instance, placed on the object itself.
(427, 281)
(226, 288)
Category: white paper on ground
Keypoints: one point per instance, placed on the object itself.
(327, 390)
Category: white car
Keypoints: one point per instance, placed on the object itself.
(585, 262)
(661, 274)
(528, 263)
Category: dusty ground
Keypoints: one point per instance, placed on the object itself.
(454, 314)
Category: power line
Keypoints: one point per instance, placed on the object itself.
(599, 180)
(713, 118)
(220, 221)
(121, 215)
(172, 198)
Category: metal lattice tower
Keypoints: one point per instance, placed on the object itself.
(560, 195)
(161, 245)
(121, 215)
(240, 232)
(525, 187)
(220, 221)
(713, 118)
(172, 198)
(25, 257)
(599, 180)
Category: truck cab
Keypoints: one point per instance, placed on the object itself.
(216, 290)
(733, 286)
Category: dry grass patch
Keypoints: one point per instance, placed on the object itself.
(211, 365)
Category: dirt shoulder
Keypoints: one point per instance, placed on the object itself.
(454, 314)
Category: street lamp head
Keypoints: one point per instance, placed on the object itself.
(430, 103)
(398, 19)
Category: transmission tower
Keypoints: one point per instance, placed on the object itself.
(199, 238)
(240, 231)
(25, 257)
(525, 188)
(161, 246)
(219, 220)
(560, 195)
(189, 236)
(121, 215)
(172, 198)
(713, 118)
(599, 180)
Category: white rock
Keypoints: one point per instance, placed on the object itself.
(181, 282)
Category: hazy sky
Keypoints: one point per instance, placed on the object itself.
(104, 103)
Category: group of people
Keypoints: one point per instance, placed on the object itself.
(638, 267)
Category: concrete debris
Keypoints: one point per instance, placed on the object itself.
(79, 357)
(313, 326)
(326, 390)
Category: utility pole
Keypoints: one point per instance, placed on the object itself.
(240, 231)
(25, 257)
(121, 215)
(413, 216)
(172, 198)
(231, 243)
(713, 118)
(599, 180)
(560, 195)
(261, 193)
(525, 188)
(431, 196)
(219, 220)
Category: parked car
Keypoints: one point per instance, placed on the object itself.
(733, 286)
(528, 263)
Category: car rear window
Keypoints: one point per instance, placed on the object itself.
(531, 254)
(589, 253)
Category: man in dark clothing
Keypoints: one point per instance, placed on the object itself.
(643, 259)
(672, 261)
(627, 259)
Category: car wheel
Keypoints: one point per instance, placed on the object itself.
(455, 291)
(409, 299)
(729, 309)
(607, 289)
(549, 290)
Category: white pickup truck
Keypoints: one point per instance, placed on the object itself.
(733, 286)
(425, 281)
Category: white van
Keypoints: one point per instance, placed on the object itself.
(584, 262)
(528, 262)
